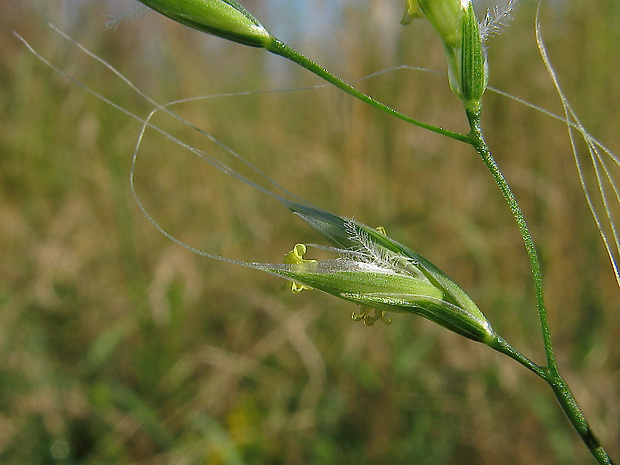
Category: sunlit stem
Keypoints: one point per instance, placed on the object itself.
(564, 396)
(482, 148)
(280, 48)
(550, 373)
(502, 346)
(578, 420)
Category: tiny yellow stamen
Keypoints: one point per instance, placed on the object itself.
(412, 11)
(296, 257)
(369, 319)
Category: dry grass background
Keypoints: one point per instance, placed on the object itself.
(118, 346)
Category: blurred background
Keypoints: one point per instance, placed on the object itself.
(118, 346)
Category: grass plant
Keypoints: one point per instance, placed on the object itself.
(122, 347)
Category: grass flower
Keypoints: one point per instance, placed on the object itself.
(458, 27)
(376, 272)
(295, 257)
(223, 18)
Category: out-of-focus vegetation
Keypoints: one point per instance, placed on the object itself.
(119, 346)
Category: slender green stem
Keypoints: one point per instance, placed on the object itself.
(578, 420)
(502, 346)
(482, 148)
(564, 396)
(475, 138)
(280, 48)
(550, 373)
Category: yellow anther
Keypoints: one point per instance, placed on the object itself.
(381, 230)
(368, 319)
(296, 257)
(412, 11)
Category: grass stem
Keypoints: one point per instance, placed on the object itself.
(550, 373)
(280, 48)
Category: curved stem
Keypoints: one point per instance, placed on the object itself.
(564, 396)
(476, 138)
(482, 148)
(550, 374)
(501, 345)
(280, 48)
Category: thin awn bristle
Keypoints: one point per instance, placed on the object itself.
(166, 109)
(146, 124)
(599, 162)
(600, 156)
(603, 174)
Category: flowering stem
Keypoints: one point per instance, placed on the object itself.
(475, 138)
(499, 344)
(478, 142)
(564, 396)
(280, 48)
(550, 373)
